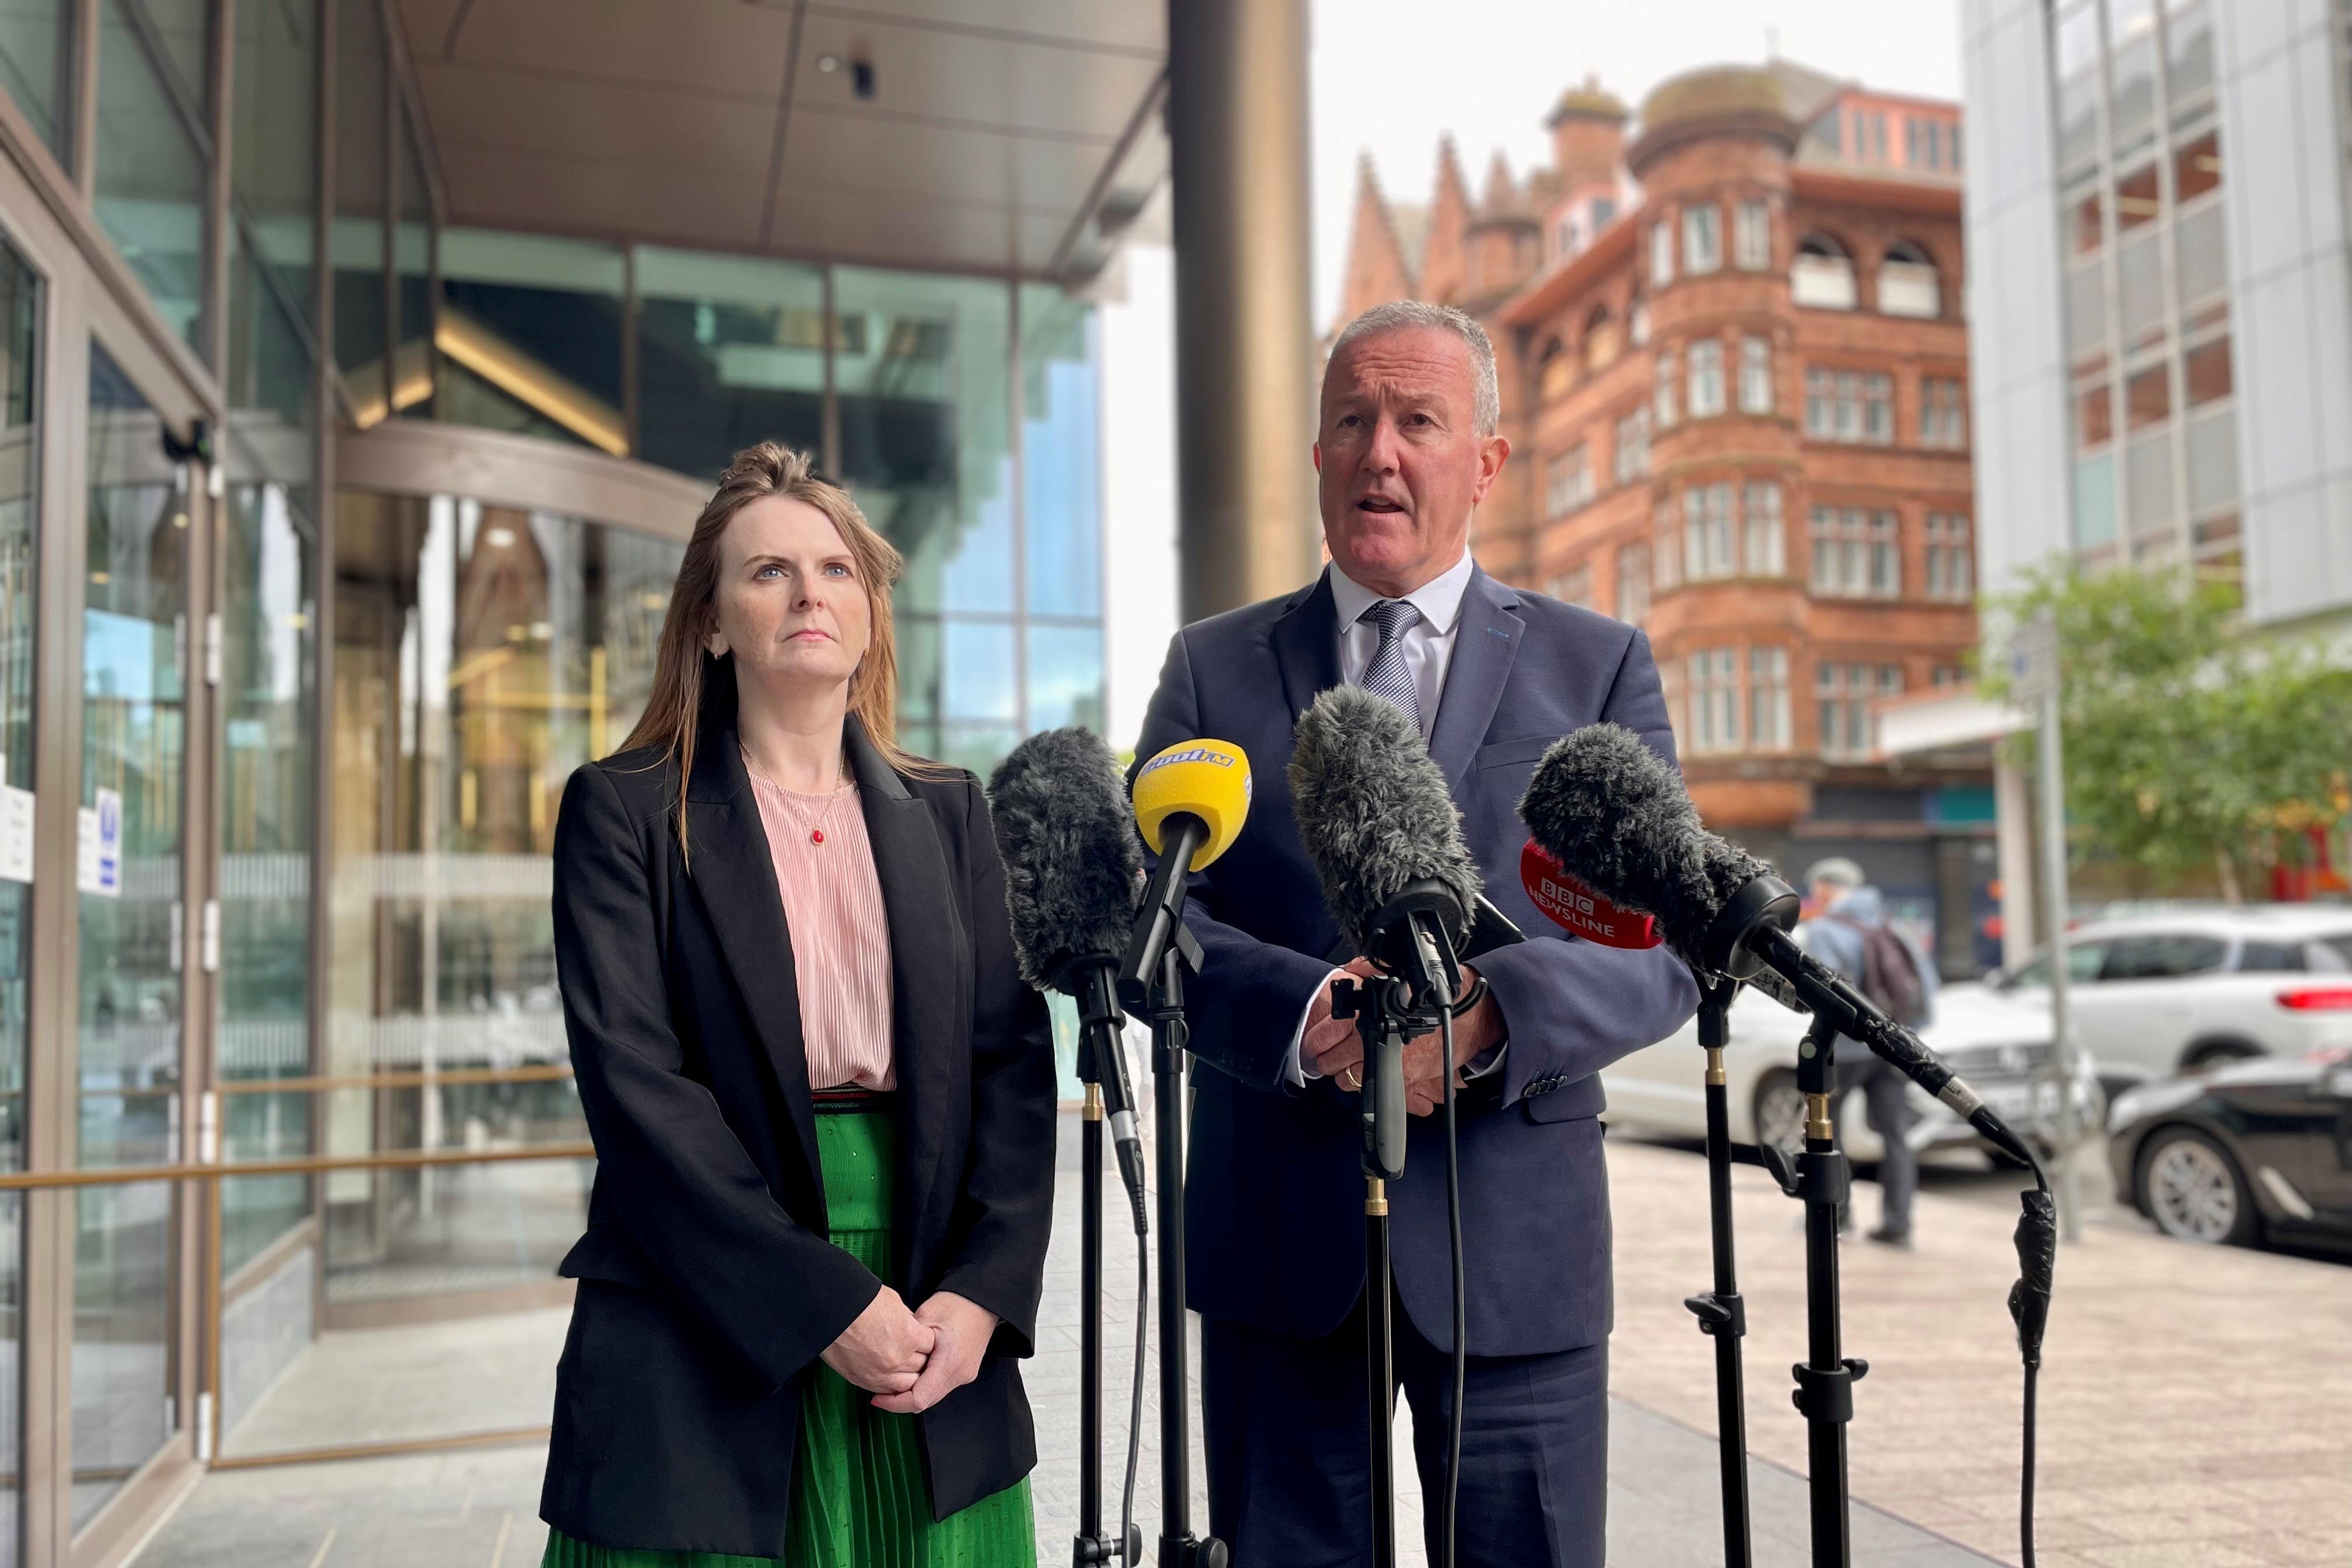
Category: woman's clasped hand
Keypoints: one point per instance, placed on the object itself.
(909, 1361)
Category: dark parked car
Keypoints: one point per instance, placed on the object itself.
(2258, 1151)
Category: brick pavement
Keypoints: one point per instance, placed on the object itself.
(2198, 1408)
(2196, 1403)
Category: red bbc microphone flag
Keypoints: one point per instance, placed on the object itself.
(1578, 908)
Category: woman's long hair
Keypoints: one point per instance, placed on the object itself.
(684, 665)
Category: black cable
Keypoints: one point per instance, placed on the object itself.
(2026, 1501)
(1134, 1402)
(2029, 1306)
(1461, 1323)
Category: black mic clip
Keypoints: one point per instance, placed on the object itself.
(1102, 1062)
(1411, 942)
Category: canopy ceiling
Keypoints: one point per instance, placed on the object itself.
(1000, 135)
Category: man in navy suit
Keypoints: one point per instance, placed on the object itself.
(1405, 449)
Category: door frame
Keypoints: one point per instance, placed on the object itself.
(88, 297)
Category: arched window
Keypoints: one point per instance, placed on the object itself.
(1908, 283)
(1822, 275)
(1600, 343)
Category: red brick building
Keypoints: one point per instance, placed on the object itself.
(1734, 378)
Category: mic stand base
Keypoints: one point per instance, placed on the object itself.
(1722, 1315)
(1825, 1378)
(1178, 1546)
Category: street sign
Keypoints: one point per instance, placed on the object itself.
(2033, 661)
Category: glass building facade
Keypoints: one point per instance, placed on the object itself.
(333, 536)
(2140, 169)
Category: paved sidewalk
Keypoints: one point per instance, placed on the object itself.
(481, 1508)
(2197, 1408)
(2196, 1402)
(1664, 1503)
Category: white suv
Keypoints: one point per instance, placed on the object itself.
(2158, 995)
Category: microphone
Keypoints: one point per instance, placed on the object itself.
(1576, 908)
(1380, 827)
(1610, 810)
(1071, 866)
(1190, 804)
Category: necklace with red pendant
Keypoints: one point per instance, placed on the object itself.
(815, 825)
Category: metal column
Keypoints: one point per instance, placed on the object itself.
(1237, 129)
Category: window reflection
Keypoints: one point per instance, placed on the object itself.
(274, 165)
(1066, 676)
(730, 351)
(2132, 92)
(482, 653)
(925, 441)
(2188, 53)
(20, 320)
(34, 49)
(150, 175)
(529, 337)
(134, 627)
(267, 666)
(413, 241)
(177, 34)
(1060, 466)
(356, 237)
(977, 673)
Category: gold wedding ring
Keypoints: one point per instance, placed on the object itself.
(1356, 1073)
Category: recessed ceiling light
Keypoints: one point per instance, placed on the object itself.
(828, 63)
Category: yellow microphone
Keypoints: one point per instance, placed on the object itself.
(1207, 779)
(1190, 804)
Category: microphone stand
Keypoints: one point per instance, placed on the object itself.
(1170, 1037)
(1387, 1013)
(1825, 1378)
(1098, 1065)
(1748, 935)
(1161, 951)
(1721, 1314)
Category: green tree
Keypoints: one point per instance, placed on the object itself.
(2190, 744)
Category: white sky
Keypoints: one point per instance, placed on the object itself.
(1392, 77)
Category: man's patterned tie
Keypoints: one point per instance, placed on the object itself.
(1387, 675)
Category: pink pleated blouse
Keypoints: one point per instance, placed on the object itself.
(840, 933)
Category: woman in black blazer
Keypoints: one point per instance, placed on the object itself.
(817, 1236)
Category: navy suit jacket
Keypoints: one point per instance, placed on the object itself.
(1273, 1204)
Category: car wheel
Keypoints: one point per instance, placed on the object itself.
(1779, 1110)
(2206, 1055)
(2193, 1190)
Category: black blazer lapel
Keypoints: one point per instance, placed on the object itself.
(1485, 645)
(735, 876)
(927, 944)
(1306, 646)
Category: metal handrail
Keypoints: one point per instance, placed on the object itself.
(212, 1172)
(387, 1160)
(544, 1073)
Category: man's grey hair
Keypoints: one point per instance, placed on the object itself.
(1487, 402)
(1837, 871)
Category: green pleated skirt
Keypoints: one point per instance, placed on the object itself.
(858, 1498)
